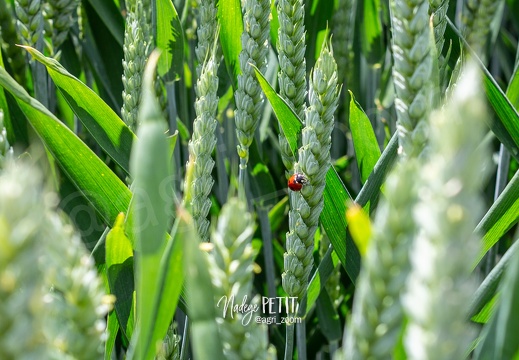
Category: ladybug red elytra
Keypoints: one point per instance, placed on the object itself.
(297, 181)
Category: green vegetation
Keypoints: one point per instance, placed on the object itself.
(145, 148)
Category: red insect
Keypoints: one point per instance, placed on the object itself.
(297, 181)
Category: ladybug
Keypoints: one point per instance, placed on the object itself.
(297, 181)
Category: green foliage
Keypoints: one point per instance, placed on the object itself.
(364, 140)
(142, 200)
(151, 209)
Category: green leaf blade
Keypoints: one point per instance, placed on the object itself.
(119, 271)
(171, 279)
(87, 172)
(333, 218)
(499, 336)
(289, 121)
(231, 28)
(110, 132)
(170, 39)
(364, 140)
(372, 40)
(501, 216)
(153, 203)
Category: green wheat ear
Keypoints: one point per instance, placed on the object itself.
(51, 300)
(343, 32)
(377, 310)
(207, 31)
(314, 162)
(61, 13)
(30, 20)
(477, 15)
(438, 9)
(292, 65)
(203, 142)
(231, 266)
(136, 49)
(9, 37)
(21, 209)
(76, 304)
(448, 209)
(170, 349)
(412, 72)
(249, 96)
